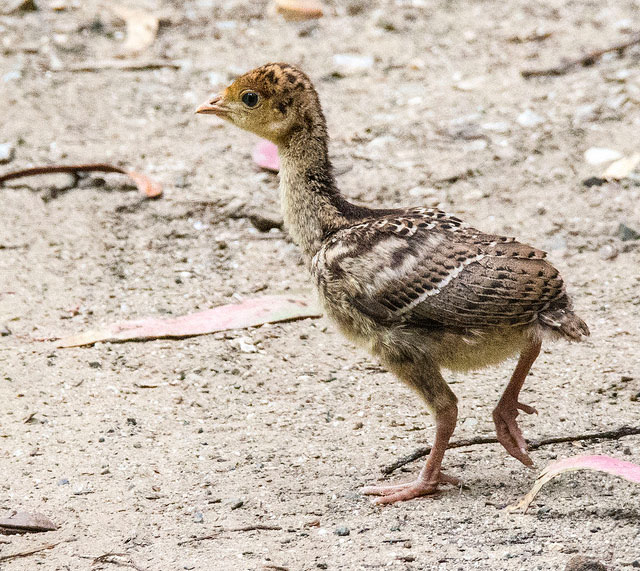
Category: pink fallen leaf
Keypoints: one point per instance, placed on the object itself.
(623, 469)
(25, 522)
(249, 313)
(265, 155)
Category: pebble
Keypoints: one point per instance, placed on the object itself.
(380, 147)
(626, 25)
(469, 424)
(181, 181)
(529, 118)
(593, 181)
(625, 233)
(581, 563)
(608, 252)
(63, 482)
(198, 517)
(352, 63)
(245, 344)
(7, 152)
(600, 155)
(381, 142)
(496, 127)
(477, 145)
(586, 114)
(235, 504)
(342, 531)
(616, 102)
(504, 153)
(11, 76)
(469, 84)
(622, 75)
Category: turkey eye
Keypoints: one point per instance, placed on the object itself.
(250, 99)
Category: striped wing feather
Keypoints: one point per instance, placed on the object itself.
(430, 270)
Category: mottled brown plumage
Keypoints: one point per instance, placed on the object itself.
(417, 287)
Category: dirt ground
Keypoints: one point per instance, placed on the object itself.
(137, 448)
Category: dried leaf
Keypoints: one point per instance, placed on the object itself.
(25, 522)
(298, 10)
(622, 167)
(145, 185)
(627, 470)
(265, 155)
(249, 313)
(141, 28)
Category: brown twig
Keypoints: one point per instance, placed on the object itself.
(19, 554)
(13, 247)
(145, 185)
(254, 527)
(121, 65)
(584, 61)
(66, 169)
(533, 445)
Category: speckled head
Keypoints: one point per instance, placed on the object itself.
(274, 101)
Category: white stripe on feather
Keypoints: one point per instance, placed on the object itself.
(444, 282)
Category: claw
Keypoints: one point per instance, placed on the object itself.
(526, 408)
(423, 486)
(508, 431)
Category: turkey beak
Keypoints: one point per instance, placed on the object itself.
(213, 106)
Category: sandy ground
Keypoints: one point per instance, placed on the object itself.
(137, 448)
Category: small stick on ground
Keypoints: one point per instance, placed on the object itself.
(66, 169)
(121, 65)
(533, 445)
(148, 187)
(584, 61)
(19, 554)
(254, 527)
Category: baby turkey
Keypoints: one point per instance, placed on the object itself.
(418, 288)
